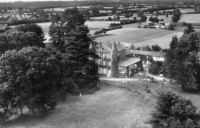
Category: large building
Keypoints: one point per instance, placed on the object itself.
(130, 62)
(104, 51)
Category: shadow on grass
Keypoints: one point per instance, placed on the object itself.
(27, 119)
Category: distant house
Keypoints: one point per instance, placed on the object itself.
(108, 7)
(105, 11)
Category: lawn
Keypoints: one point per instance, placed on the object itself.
(119, 105)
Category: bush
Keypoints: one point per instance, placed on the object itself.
(29, 78)
(171, 26)
(156, 68)
(174, 112)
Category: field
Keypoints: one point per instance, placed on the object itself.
(130, 34)
(140, 37)
(92, 25)
(191, 18)
(115, 105)
(98, 25)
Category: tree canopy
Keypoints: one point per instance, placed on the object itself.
(17, 40)
(70, 36)
(182, 61)
(28, 78)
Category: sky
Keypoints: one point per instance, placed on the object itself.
(32, 0)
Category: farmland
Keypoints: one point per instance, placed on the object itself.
(130, 34)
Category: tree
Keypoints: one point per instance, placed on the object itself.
(156, 48)
(156, 68)
(155, 20)
(182, 61)
(145, 48)
(17, 40)
(143, 17)
(189, 29)
(174, 112)
(71, 38)
(28, 78)
(171, 26)
(176, 16)
(34, 28)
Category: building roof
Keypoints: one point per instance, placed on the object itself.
(129, 62)
(147, 53)
(107, 47)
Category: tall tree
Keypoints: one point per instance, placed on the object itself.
(156, 48)
(176, 16)
(34, 28)
(73, 41)
(189, 29)
(17, 40)
(183, 61)
(28, 78)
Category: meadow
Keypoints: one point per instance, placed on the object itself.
(191, 18)
(116, 105)
(130, 34)
(140, 37)
(92, 25)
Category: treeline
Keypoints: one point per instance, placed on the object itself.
(183, 60)
(58, 4)
(19, 22)
(35, 76)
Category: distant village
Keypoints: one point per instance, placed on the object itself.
(127, 13)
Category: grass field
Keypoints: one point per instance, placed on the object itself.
(92, 25)
(119, 105)
(191, 18)
(140, 37)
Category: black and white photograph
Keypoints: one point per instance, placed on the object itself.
(99, 63)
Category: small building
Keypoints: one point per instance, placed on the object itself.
(147, 55)
(105, 11)
(130, 66)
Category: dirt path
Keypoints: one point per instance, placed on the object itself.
(111, 107)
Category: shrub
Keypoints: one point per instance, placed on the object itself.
(29, 78)
(171, 26)
(156, 68)
(174, 112)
